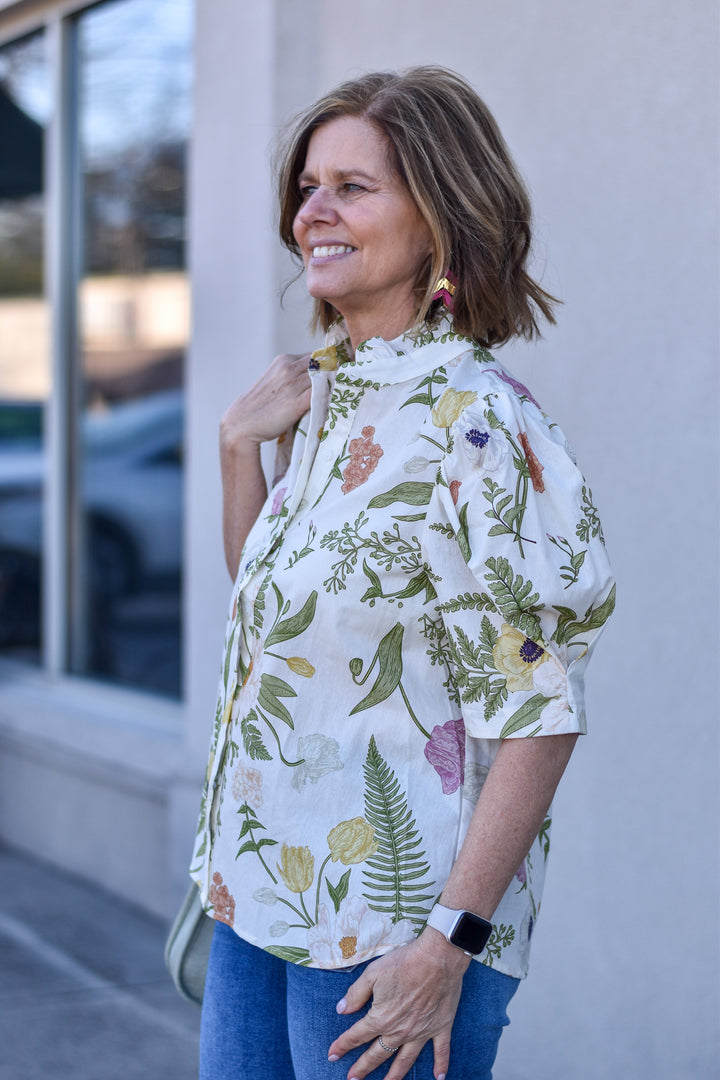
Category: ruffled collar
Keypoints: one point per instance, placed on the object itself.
(420, 349)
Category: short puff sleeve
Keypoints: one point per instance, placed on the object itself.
(522, 579)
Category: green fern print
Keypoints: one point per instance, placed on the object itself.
(394, 875)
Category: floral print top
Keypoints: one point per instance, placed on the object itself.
(427, 577)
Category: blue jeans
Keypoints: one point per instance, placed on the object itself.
(270, 1020)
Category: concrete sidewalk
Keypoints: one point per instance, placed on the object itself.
(83, 990)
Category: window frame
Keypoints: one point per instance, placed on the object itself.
(62, 254)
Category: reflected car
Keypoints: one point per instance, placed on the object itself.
(131, 491)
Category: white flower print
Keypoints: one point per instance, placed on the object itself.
(475, 777)
(265, 896)
(279, 928)
(416, 464)
(485, 446)
(353, 934)
(248, 693)
(550, 680)
(320, 755)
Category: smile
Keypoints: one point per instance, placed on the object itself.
(334, 249)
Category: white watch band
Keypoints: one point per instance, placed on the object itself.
(443, 919)
(448, 920)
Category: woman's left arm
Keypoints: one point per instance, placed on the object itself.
(415, 989)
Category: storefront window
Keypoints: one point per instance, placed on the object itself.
(24, 343)
(134, 78)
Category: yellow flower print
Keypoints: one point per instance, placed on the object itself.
(352, 841)
(324, 359)
(516, 657)
(211, 762)
(228, 708)
(301, 666)
(298, 868)
(450, 406)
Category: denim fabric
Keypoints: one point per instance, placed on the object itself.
(270, 1020)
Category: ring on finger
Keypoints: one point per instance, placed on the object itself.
(388, 1049)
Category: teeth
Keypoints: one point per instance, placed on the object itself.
(334, 249)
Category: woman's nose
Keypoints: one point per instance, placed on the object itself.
(317, 207)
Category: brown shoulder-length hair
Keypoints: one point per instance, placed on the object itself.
(448, 149)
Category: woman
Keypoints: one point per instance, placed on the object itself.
(417, 594)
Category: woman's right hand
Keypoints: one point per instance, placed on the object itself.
(271, 406)
(268, 409)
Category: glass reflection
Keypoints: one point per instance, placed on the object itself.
(134, 61)
(24, 351)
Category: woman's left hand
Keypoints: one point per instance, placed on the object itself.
(415, 991)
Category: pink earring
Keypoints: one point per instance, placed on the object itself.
(445, 290)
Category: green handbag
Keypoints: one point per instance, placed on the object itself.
(188, 946)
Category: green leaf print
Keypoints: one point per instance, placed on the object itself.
(252, 740)
(427, 398)
(392, 876)
(389, 659)
(468, 602)
(269, 694)
(570, 571)
(514, 597)
(414, 586)
(294, 626)
(306, 549)
(569, 626)
(474, 668)
(544, 837)
(501, 937)
(462, 534)
(412, 492)
(589, 525)
(443, 527)
(527, 714)
(290, 953)
(338, 892)
(249, 826)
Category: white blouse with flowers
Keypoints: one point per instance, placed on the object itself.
(427, 578)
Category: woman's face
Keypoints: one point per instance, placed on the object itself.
(362, 237)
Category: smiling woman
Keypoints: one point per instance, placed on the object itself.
(403, 615)
(362, 237)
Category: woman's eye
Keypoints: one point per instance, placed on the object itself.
(306, 191)
(352, 188)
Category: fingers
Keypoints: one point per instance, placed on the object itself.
(441, 1054)
(357, 993)
(403, 1060)
(271, 405)
(404, 1057)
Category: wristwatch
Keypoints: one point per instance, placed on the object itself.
(463, 929)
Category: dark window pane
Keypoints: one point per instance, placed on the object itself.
(24, 352)
(134, 61)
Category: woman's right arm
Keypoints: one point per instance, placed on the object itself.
(272, 405)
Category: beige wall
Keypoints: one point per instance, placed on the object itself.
(611, 111)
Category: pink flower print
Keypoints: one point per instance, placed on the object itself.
(517, 386)
(536, 469)
(247, 786)
(454, 490)
(364, 456)
(445, 750)
(521, 873)
(278, 501)
(223, 903)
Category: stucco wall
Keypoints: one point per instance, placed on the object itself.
(611, 111)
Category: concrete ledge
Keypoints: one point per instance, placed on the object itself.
(88, 776)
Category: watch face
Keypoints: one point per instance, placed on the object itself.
(471, 933)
